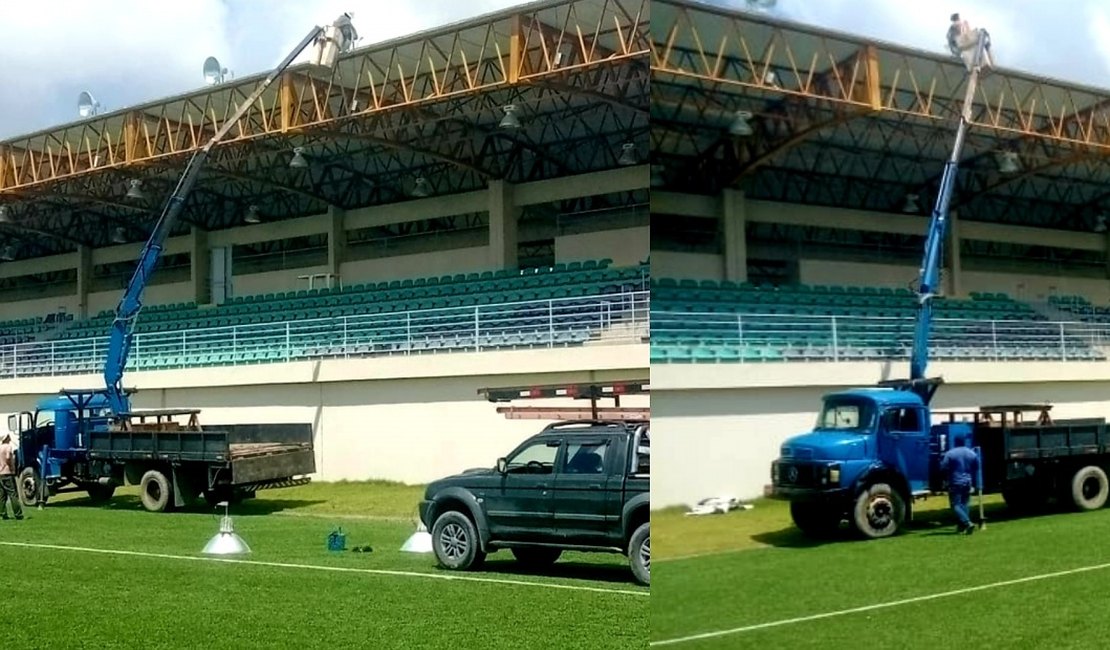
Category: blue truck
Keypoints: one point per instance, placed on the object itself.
(874, 451)
(91, 440)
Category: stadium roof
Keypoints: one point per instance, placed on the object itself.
(424, 105)
(850, 122)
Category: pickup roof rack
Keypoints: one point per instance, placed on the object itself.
(592, 391)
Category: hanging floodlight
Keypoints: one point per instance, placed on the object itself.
(628, 154)
(510, 120)
(8, 254)
(771, 78)
(1008, 162)
(1100, 223)
(225, 542)
(4, 217)
(911, 205)
(299, 161)
(86, 105)
(119, 235)
(213, 72)
(253, 215)
(135, 190)
(420, 541)
(740, 126)
(420, 189)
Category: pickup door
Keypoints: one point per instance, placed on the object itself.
(589, 485)
(518, 507)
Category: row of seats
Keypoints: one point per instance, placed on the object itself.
(711, 321)
(554, 283)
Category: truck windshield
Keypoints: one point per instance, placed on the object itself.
(844, 415)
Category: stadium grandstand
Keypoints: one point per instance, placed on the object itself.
(459, 209)
(793, 173)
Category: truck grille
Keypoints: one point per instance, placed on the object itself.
(797, 474)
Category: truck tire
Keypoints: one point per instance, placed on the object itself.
(100, 493)
(455, 542)
(27, 485)
(639, 554)
(537, 557)
(815, 520)
(879, 511)
(1089, 488)
(156, 491)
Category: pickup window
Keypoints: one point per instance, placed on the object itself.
(536, 458)
(586, 457)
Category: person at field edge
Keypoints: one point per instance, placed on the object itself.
(7, 480)
(960, 465)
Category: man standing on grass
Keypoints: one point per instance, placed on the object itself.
(960, 465)
(7, 479)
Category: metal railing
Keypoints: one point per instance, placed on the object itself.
(617, 318)
(772, 337)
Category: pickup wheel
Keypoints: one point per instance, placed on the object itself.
(455, 542)
(156, 491)
(815, 520)
(1089, 488)
(28, 487)
(537, 557)
(639, 554)
(879, 511)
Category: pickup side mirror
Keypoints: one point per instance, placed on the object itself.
(502, 466)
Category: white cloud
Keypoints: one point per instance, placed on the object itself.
(127, 52)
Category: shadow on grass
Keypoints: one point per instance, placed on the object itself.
(612, 573)
(246, 508)
(936, 521)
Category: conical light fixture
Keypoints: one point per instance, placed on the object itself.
(740, 126)
(298, 161)
(420, 189)
(135, 191)
(510, 121)
(119, 235)
(253, 215)
(420, 541)
(226, 541)
(628, 154)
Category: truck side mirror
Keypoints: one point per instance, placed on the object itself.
(502, 466)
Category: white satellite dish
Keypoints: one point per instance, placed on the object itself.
(86, 105)
(213, 73)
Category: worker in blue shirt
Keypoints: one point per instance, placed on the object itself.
(961, 466)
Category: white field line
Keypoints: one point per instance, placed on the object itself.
(868, 608)
(337, 569)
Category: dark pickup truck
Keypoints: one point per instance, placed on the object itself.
(582, 486)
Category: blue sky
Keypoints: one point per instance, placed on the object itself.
(131, 51)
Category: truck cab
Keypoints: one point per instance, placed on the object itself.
(870, 453)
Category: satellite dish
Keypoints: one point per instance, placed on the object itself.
(213, 73)
(86, 105)
(762, 5)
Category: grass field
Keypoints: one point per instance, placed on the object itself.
(751, 575)
(60, 597)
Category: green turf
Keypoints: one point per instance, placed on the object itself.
(771, 573)
(77, 599)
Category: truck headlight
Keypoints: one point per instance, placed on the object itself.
(834, 474)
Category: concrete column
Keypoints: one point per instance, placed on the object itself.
(503, 216)
(733, 222)
(337, 239)
(200, 266)
(955, 286)
(84, 280)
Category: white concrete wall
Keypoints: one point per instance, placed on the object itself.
(411, 419)
(461, 260)
(625, 246)
(717, 428)
(698, 266)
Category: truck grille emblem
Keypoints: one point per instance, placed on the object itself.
(792, 475)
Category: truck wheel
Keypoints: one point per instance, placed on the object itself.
(1089, 488)
(639, 554)
(537, 557)
(879, 511)
(101, 493)
(156, 491)
(455, 542)
(28, 487)
(815, 520)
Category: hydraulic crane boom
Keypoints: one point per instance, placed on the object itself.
(119, 345)
(938, 228)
